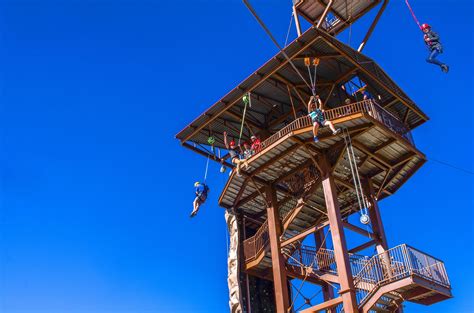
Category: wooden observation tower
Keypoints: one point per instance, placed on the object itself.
(292, 212)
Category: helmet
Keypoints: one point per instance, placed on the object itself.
(232, 143)
(425, 26)
(253, 137)
(196, 184)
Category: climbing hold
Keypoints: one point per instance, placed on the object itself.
(246, 99)
(211, 140)
(222, 170)
(364, 219)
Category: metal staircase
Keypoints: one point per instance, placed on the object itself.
(382, 281)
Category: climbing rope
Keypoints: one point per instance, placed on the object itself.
(247, 100)
(289, 29)
(207, 167)
(413, 14)
(361, 200)
(312, 77)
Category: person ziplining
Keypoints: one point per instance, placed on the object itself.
(432, 41)
(316, 113)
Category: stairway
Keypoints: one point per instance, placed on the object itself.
(401, 274)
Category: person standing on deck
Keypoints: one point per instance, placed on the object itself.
(234, 154)
(316, 113)
(431, 39)
(256, 144)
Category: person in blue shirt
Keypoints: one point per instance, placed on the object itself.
(316, 113)
(201, 195)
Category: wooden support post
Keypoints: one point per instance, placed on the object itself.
(328, 291)
(338, 238)
(278, 262)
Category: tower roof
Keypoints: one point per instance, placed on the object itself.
(269, 85)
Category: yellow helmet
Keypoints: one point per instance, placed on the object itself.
(196, 184)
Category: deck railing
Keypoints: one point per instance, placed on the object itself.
(324, 260)
(369, 107)
(397, 263)
(254, 245)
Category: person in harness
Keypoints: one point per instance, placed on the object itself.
(201, 195)
(234, 154)
(316, 113)
(433, 43)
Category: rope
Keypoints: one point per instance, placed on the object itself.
(355, 173)
(243, 120)
(312, 77)
(298, 291)
(413, 14)
(289, 29)
(207, 167)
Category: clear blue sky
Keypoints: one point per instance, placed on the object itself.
(96, 192)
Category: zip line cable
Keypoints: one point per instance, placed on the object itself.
(453, 166)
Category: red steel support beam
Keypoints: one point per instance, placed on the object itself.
(339, 241)
(278, 262)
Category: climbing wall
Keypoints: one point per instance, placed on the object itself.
(235, 298)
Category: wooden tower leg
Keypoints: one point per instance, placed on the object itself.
(278, 262)
(340, 248)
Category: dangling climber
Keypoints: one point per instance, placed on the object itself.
(201, 195)
(433, 43)
(316, 113)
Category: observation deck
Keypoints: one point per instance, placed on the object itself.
(383, 146)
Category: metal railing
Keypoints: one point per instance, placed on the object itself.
(324, 260)
(395, 264)
(369, 107)
(254, 245)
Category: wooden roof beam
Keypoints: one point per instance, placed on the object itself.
(228, 105)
